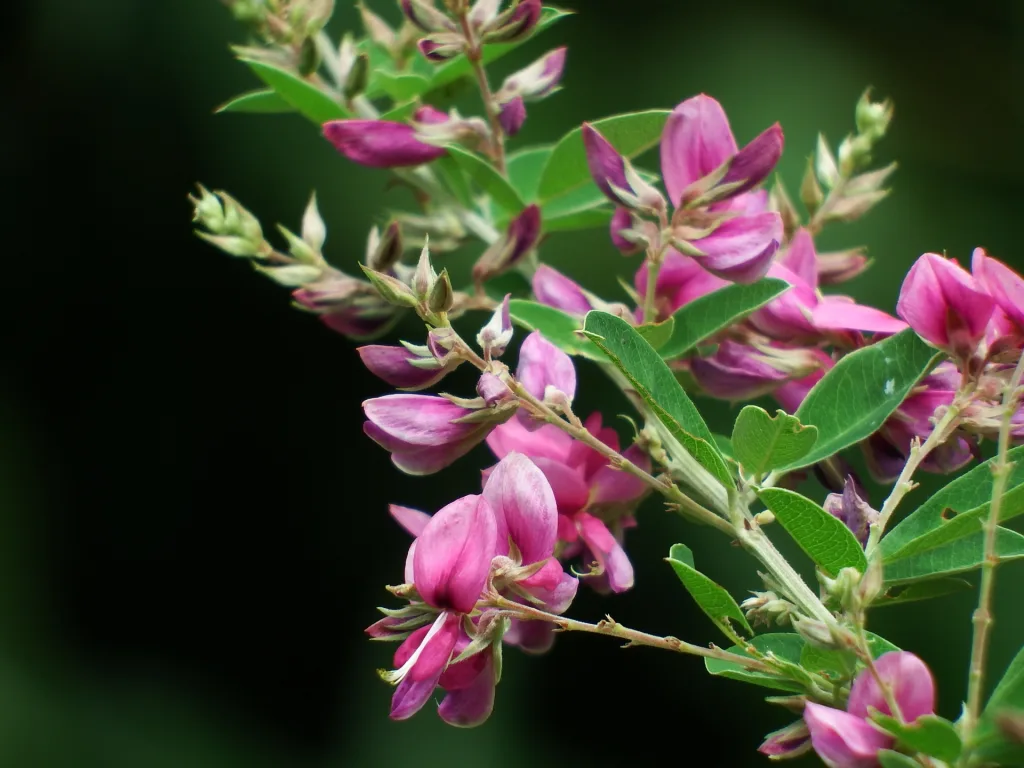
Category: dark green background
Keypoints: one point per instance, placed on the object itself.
(192, 527)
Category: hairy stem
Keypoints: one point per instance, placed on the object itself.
(611, 628)
(983, 615)
(667, 489)
(904, 483)
(474, 54)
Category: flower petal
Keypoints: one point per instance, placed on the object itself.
(741, 249)
(843, 740)
(556, 290)
(470, 706)
(543, 365)
(696, 140)
(413, 520)
(524, 507)
(607, 551)
(909, 679)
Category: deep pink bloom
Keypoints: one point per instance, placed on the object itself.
(741, 249)
(945, 305)
(847, 739)
(1002, 284)
(512, 115)
(680, 281)
(741, 372)
(543, 365)
(400, 367)
(697, 140)
(607, 167)
(422, 432)
(556, 290)
(348, 306)
(380, 143)
(523, 233)
(622, 219)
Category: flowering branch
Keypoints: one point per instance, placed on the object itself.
(474, 54)
(983, 615)
(611, 628)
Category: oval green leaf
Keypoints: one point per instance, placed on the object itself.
(401, 86)
(929, 734)
(988, 741)
(925, 590)
(711, 597)
(630, 134)
(265, 102)
(890, 759)
(709, 314)
(556, 326)
(960, 556)
(947, 515)
(762, 442)
(304, 97)
(829, 543)
(524, 169)
(659, 388)
(861, 392)
(488, 178)
(785, 646)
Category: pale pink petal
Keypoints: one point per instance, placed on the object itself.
(413, 520)
(696, 140)
(607, 551)
(542, 364)
(741, 249)
(609, 485)
(909, 679)
(547, 442)
(836, 314)
(801, 258)
(556, 290)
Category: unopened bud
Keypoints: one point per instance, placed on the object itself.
(779, 200)
(292, 275)
(871, 582)
(442, 295)
(854, 152)
(424, 277)
(314, 232)
(357, 78)
(378, 30)
(391, 289)
(825, 164)
(514, 24)
(442, 46)
(495, 336)
(815, 632)
(298, 247)
(493, 390)
(810, 191)
(873, 118)
(309, 57)
(424, 15)
(384, 251)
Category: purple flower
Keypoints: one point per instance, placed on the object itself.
(847, 739)
(788, 742)
(521, 236)
(945, 305)
(536, 81)
(607, 167)
(512, 115)
(740, 372)
(622, 219)
(348, 306)
(406, 367)
(852, 510)
(544, 367)
(380, 143)
(425, 433)
(1000, 282)
(740, 249)
(556, 290)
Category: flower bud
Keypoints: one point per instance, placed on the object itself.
(314, 232)
(521, 236)
(536, 81)
(424, 277)
(622, 222)
(825, 167)
(442, 295)
(792, 741)
(840, 266)
(309, 57)
(493, 390)
(811, 193)
(424, 15)
(391, 289)
(384, 251)
(873, 118)
(495, 336)
(852, 510)
(815, 632)
(512, 115)
(514, 24)
(406, 367)
(441, 46)
(380, 143)
(357, 77)
(378, 30)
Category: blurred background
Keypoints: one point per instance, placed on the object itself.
(193, 530)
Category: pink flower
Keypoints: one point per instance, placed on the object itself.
(425, 433)
(741, 372)
(1000, 282)
(622, 220)
(544, 371)
(945, 305)
(380, 143)
(847, 739)
(351, 307)
(406, 367)
(533, 83)
(556, 290)
(607, 167)
(680, 281)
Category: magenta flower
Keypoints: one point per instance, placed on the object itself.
(680, 281)
(351, 307)
(425, 433)
(945, 305)
(622, 220)
(1000, 282)
(607, 166)
(594, 501)
(740, 249)
(406, 367)
(740, 372)
(698, 140)
(556, 290)
(544, 368)
(847, 739)
(852, 510)
(380, 143)
(512, 115)
(521, 236)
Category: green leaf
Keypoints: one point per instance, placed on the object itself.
(264, 102)
(891, 759)
(302, 96)
(725, 446)
(524, 169)
(929, 734)
(862, 391)
(958, 556)
(591, 218)
(658, 387)
(840, 665)
(712, 598)
(656, 334)
(829, 543)
(487, 176)
(459, 67)
(400, 113)
(925, 590)
(707, 315)
(455, 180)
(763, 443)
(400, 86)
(630, 134)
(784, 646)
(512, 282)
(948, 514)
(988, 741)
(556, 326)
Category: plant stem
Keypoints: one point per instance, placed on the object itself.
(653, 268)
(983, 615)
(817, 222)
(918, 453)
(611, 628)
(869, 662)
(474, 54)
(668, 489)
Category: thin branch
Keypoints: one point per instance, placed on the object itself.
(474, 54)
